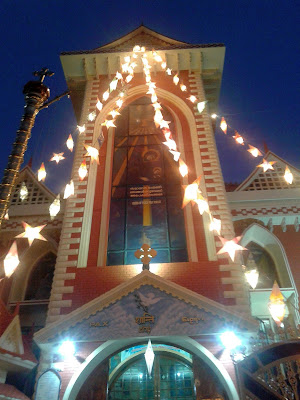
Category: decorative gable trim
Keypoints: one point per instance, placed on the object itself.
(11, 339)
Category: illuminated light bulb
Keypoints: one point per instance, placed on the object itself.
(149, 357)
(67, 349)
(133, 65)
(11, 260)
(176, 79)
(238, 138)
(266, 165)
(134, 55)
(169, 71)
(128, 78)
(158, 58)
(82, 171)
(143, 49)
(223, 125)
(201, 106)
(92, 116)
(136, 48)
(215, 225)
(130, 70)
(81, 129)
(151, 91)
(164, 65)
(276, 304)
(69, 190)
(119, 103)
(176, 154)
(122, 94)
(119, 76)
(167, 133)
(230, 246)
(153, 98)
(109, 123)
(113, 85)
(157, 106)
(183, 169)
(192, 98)
(125, 68)
(190, 193)
(57, 157)
(31, 233)
(183, 87)
(42, 173)
(254, 151)
(93, 153)
(105, 95)
(252, 277)
(99, 105)
(54, 207)
(214, 116)
(202, 204)
(171, 144)
(114, 113)
(6, 216)
(229, 340)
(148, 78)
(70, 143)
(23, 192)
(164, 124)
(127, 59)
(288, 176)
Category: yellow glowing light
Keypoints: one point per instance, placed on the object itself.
(105, 95)
(114, 113)
(238, 138)
(171, 144)
(192, 98)
(31, 233)
(148, 78)
(183, 169)
(252, 277)
(288, 176)
(176, 154)
(276, 304)
(128, 78)
(11, 260)
(164, 124)
(183, 87)
(113, 85)
(176, 79)
(164, 65)
(223, 125)
(201, 106)
(93, 153)
(125, 67)
(215, 225)
(230, 246)
(266, 165)
(127, 59)
(190, 193)
(54, 207)
(92, 116)
(169, 71)
(119, 103)
(157, 57)
(69, 190)
(81, 129)
(130, 70)
(143, 49)
(82, 171)
(23, 192)
(202, 204)
(70, 143)
(214, 116)
(57, 157)
(136, 48)
(153, 98)
(109, 123)
(254, 151)
(42, 173)
(99, 105)
(6, 216)
(167, 133)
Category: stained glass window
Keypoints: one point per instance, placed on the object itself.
(146, 193)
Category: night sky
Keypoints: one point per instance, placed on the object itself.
(261, 79)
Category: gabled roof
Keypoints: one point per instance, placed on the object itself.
(113, 301)
(271, 179)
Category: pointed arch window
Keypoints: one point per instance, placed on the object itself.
(146, 192)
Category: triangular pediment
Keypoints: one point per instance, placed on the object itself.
(272, 179)
(142, 36)
(11, 339)
(145, 305)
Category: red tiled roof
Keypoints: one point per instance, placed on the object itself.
(10, 392)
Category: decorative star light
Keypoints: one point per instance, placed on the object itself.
(183, 169)
(288, 176)
(105, 95)
(223, 125)
(92, 152)
(252, 276)
(215, 225)
(176, 155)
(119, 103)
(127, 59)
(125, 67)
(99, 105)
(238, 138)
(276, 304)
(214, 116)
(201, 106)
(92, 116)
(136, 48)
(164, 65)
(23, 192)
(70, 143)
(164, 124)
(171, 144)
(254, 151)
(266, 165)
(114, 113)
(81, 129)
(167, 133)
(176, 79)
(82, 171)
(192, 98)
(154, 98)
(6, 216)
(230, 246)
(42, 173)
(113, 85)
(128, 78)
(11, 260)
(119, 76)
(69, 190)
(191, 192)
(157, 106)
(158, 117)
(183, 87)
(109, 123)
(169, 71)
(32, 233)
(57, 157)
(202, 204)
(149, 357)
(54, 207)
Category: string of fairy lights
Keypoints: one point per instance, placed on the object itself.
(118, 87)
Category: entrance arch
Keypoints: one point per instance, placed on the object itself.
(111, 347)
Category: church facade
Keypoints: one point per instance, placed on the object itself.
(126, 270)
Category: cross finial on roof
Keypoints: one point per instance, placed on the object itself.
(43, 73)
(145, 254)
